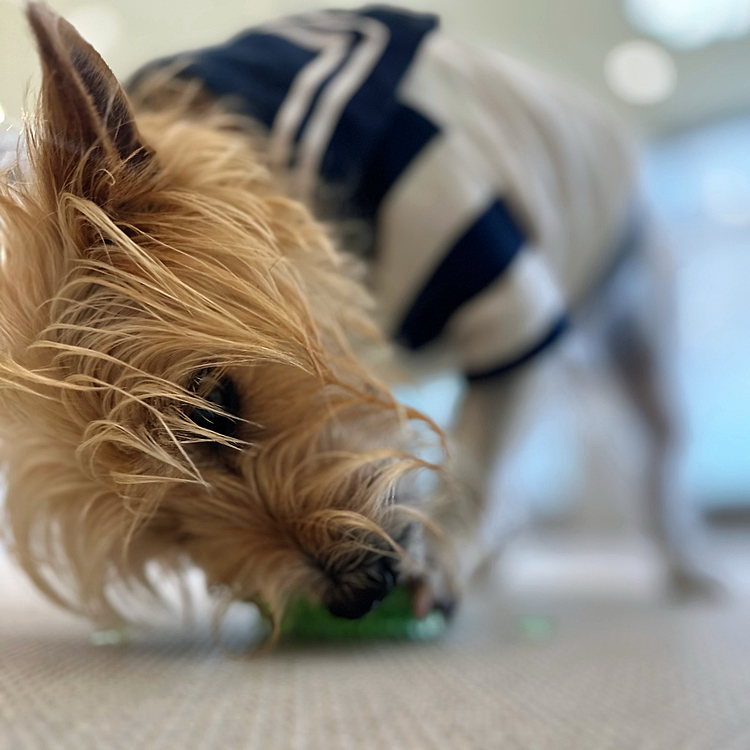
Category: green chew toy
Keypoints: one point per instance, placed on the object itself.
(392, 619)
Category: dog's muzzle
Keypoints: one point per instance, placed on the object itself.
(354, 600)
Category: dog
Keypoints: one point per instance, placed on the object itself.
(192, 368)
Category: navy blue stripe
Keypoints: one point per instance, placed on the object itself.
(479, 257)
(373, 104)
(255, 69)
(560, 326)
(406, 135)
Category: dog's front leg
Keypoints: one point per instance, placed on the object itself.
(489, 417)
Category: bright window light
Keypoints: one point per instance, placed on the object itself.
(688, 24)
(726, 196)
(2, 115)
(640, 72)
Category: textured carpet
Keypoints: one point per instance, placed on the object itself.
(602, 677)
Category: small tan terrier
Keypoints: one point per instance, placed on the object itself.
(187, 373)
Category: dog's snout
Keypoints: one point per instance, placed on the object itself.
(352, 600)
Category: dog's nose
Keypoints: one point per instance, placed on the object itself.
(352, 601)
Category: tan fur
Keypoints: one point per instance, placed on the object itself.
(135, 255)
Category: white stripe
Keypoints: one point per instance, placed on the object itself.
(324, 32)
(303, 88)
(313, 30)
(445, 189)
(307, 38)
(509, 317)
(334, 99)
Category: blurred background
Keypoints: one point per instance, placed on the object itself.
(679, 71)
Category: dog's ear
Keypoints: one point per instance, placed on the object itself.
(87, 120)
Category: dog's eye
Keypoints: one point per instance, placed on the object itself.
(222, 393)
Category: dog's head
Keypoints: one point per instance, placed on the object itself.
(180, 377)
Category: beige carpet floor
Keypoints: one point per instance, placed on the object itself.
(613, 676)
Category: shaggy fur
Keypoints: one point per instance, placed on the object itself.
(151, 261)
(144, 257)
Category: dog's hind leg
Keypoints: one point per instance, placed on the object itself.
(640, 338)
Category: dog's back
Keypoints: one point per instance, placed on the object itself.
(495, 193)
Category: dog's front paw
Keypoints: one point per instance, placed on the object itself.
(426, 598)
(435, 588)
